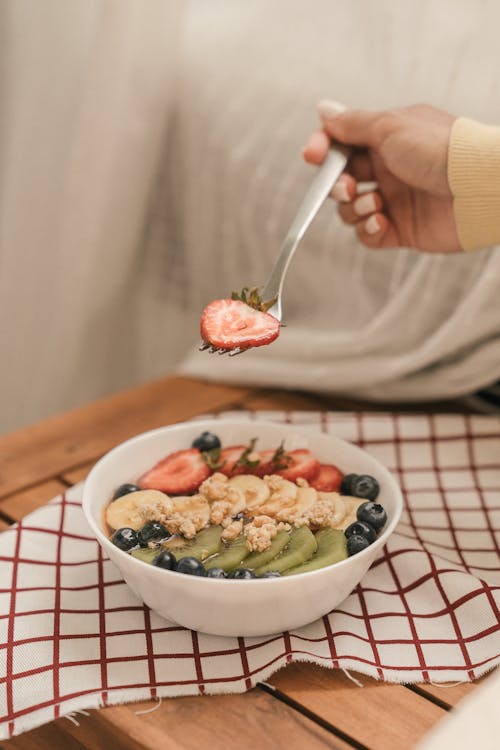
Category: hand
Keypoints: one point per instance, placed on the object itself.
(405, 151)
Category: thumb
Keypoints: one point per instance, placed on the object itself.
(357, 127)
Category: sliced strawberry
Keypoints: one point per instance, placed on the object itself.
(328, 479)
(228, 457)
(304, 466)
(268, 466)
(230, 323)
(265, 467)
(179, 473)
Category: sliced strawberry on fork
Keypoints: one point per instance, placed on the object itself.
(180, 473)
(303, 465)
(231, 324)
(328, 479)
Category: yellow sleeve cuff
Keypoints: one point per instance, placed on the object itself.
(474, 179)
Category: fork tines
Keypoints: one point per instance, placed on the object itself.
(206, 346)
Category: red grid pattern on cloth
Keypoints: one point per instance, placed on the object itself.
(74, 636)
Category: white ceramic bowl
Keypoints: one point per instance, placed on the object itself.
(236, 607)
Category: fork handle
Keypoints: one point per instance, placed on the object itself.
(326, 177)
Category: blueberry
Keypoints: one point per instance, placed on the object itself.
(356, 543)
(361, 528)
(207, 441)
(372, 513)
(242, 573)
(165, 560)
(346, 485)
(238, 516)
(271, 574)
(125, 539)
(216, 573)
(152, 532)
(191, 566)
(125, 489)
(366, 487)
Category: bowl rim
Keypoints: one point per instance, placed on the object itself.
(234, 420)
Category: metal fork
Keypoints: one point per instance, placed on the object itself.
(326, 177)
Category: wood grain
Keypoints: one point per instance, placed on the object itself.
(32, 455)
(449, 695)
(245, 722)
(248, 721)
(73, 476)
(21, 503)
(356, 711)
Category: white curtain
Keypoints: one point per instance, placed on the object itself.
(85, 94)
(389, 325)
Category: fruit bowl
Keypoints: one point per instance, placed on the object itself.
(236, 607)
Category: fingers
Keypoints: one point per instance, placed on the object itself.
(344, 189)
(357, 127)
(365, 213)
(362, 206)
(316, 147)
(377, 231)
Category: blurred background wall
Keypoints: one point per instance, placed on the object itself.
(150, 161)
(85, 93)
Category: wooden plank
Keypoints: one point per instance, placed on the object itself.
(34, 454)
(51, 736)
(284, 401)
(451, 694)
(249, 721)
(73, 476)
(381, 716)
(21, 503)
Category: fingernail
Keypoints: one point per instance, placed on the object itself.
(372, 225)
(339, 192)
(364, 205)
(329, 109)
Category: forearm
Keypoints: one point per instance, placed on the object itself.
(474, 179)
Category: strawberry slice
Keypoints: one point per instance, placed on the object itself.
(266, 466)
(230, 323)
(304, 465)
(179, 473)
(328, 479)
(269, 466)
(228, 458)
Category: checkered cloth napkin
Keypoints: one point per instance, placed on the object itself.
(73, 635)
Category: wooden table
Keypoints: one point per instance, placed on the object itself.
(302, 707)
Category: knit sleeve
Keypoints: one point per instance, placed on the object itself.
(474, 179)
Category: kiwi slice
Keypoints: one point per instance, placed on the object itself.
(332, 547)
(301, 546)
(230, 556)
(205, 543)
(256, 559)
(146, 554)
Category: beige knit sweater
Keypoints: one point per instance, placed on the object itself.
(474, 178)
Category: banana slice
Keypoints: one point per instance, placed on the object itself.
(298, 513)
(130, 510)
(254, 490)
(188, 510)
(283, 496)
(306, 497)
(351, 506)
